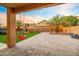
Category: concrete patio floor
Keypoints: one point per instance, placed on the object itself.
(44, 44)
(2, 46)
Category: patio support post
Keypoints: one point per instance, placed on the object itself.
(11, 28)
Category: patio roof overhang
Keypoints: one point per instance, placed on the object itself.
(21, 7)
(12, 10)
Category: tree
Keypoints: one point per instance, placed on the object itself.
(19, 24)
(70, 20)
(73, 20)
(56, 21)
(26, 24)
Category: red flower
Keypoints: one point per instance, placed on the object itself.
(22, 37)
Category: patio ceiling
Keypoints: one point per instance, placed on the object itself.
(21, 7)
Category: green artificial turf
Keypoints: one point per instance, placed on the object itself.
(3, 37)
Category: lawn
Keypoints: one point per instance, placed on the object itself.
(3, 37)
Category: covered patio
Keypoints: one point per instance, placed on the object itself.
(12, 10)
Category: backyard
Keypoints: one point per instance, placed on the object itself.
(42, 32)
(3, 37)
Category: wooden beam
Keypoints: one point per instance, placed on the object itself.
(13, 5)
(11, 28)
(34, 6)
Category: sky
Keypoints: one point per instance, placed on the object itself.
(38, 15)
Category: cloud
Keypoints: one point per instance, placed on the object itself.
(67, 9)
(30, 18)
(26, 19)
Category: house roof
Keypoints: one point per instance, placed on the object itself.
(43, 21)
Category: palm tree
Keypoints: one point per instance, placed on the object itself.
(56, 21)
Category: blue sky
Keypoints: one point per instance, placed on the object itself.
(47, 13)
(2, 9)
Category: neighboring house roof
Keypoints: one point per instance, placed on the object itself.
(43, 23)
